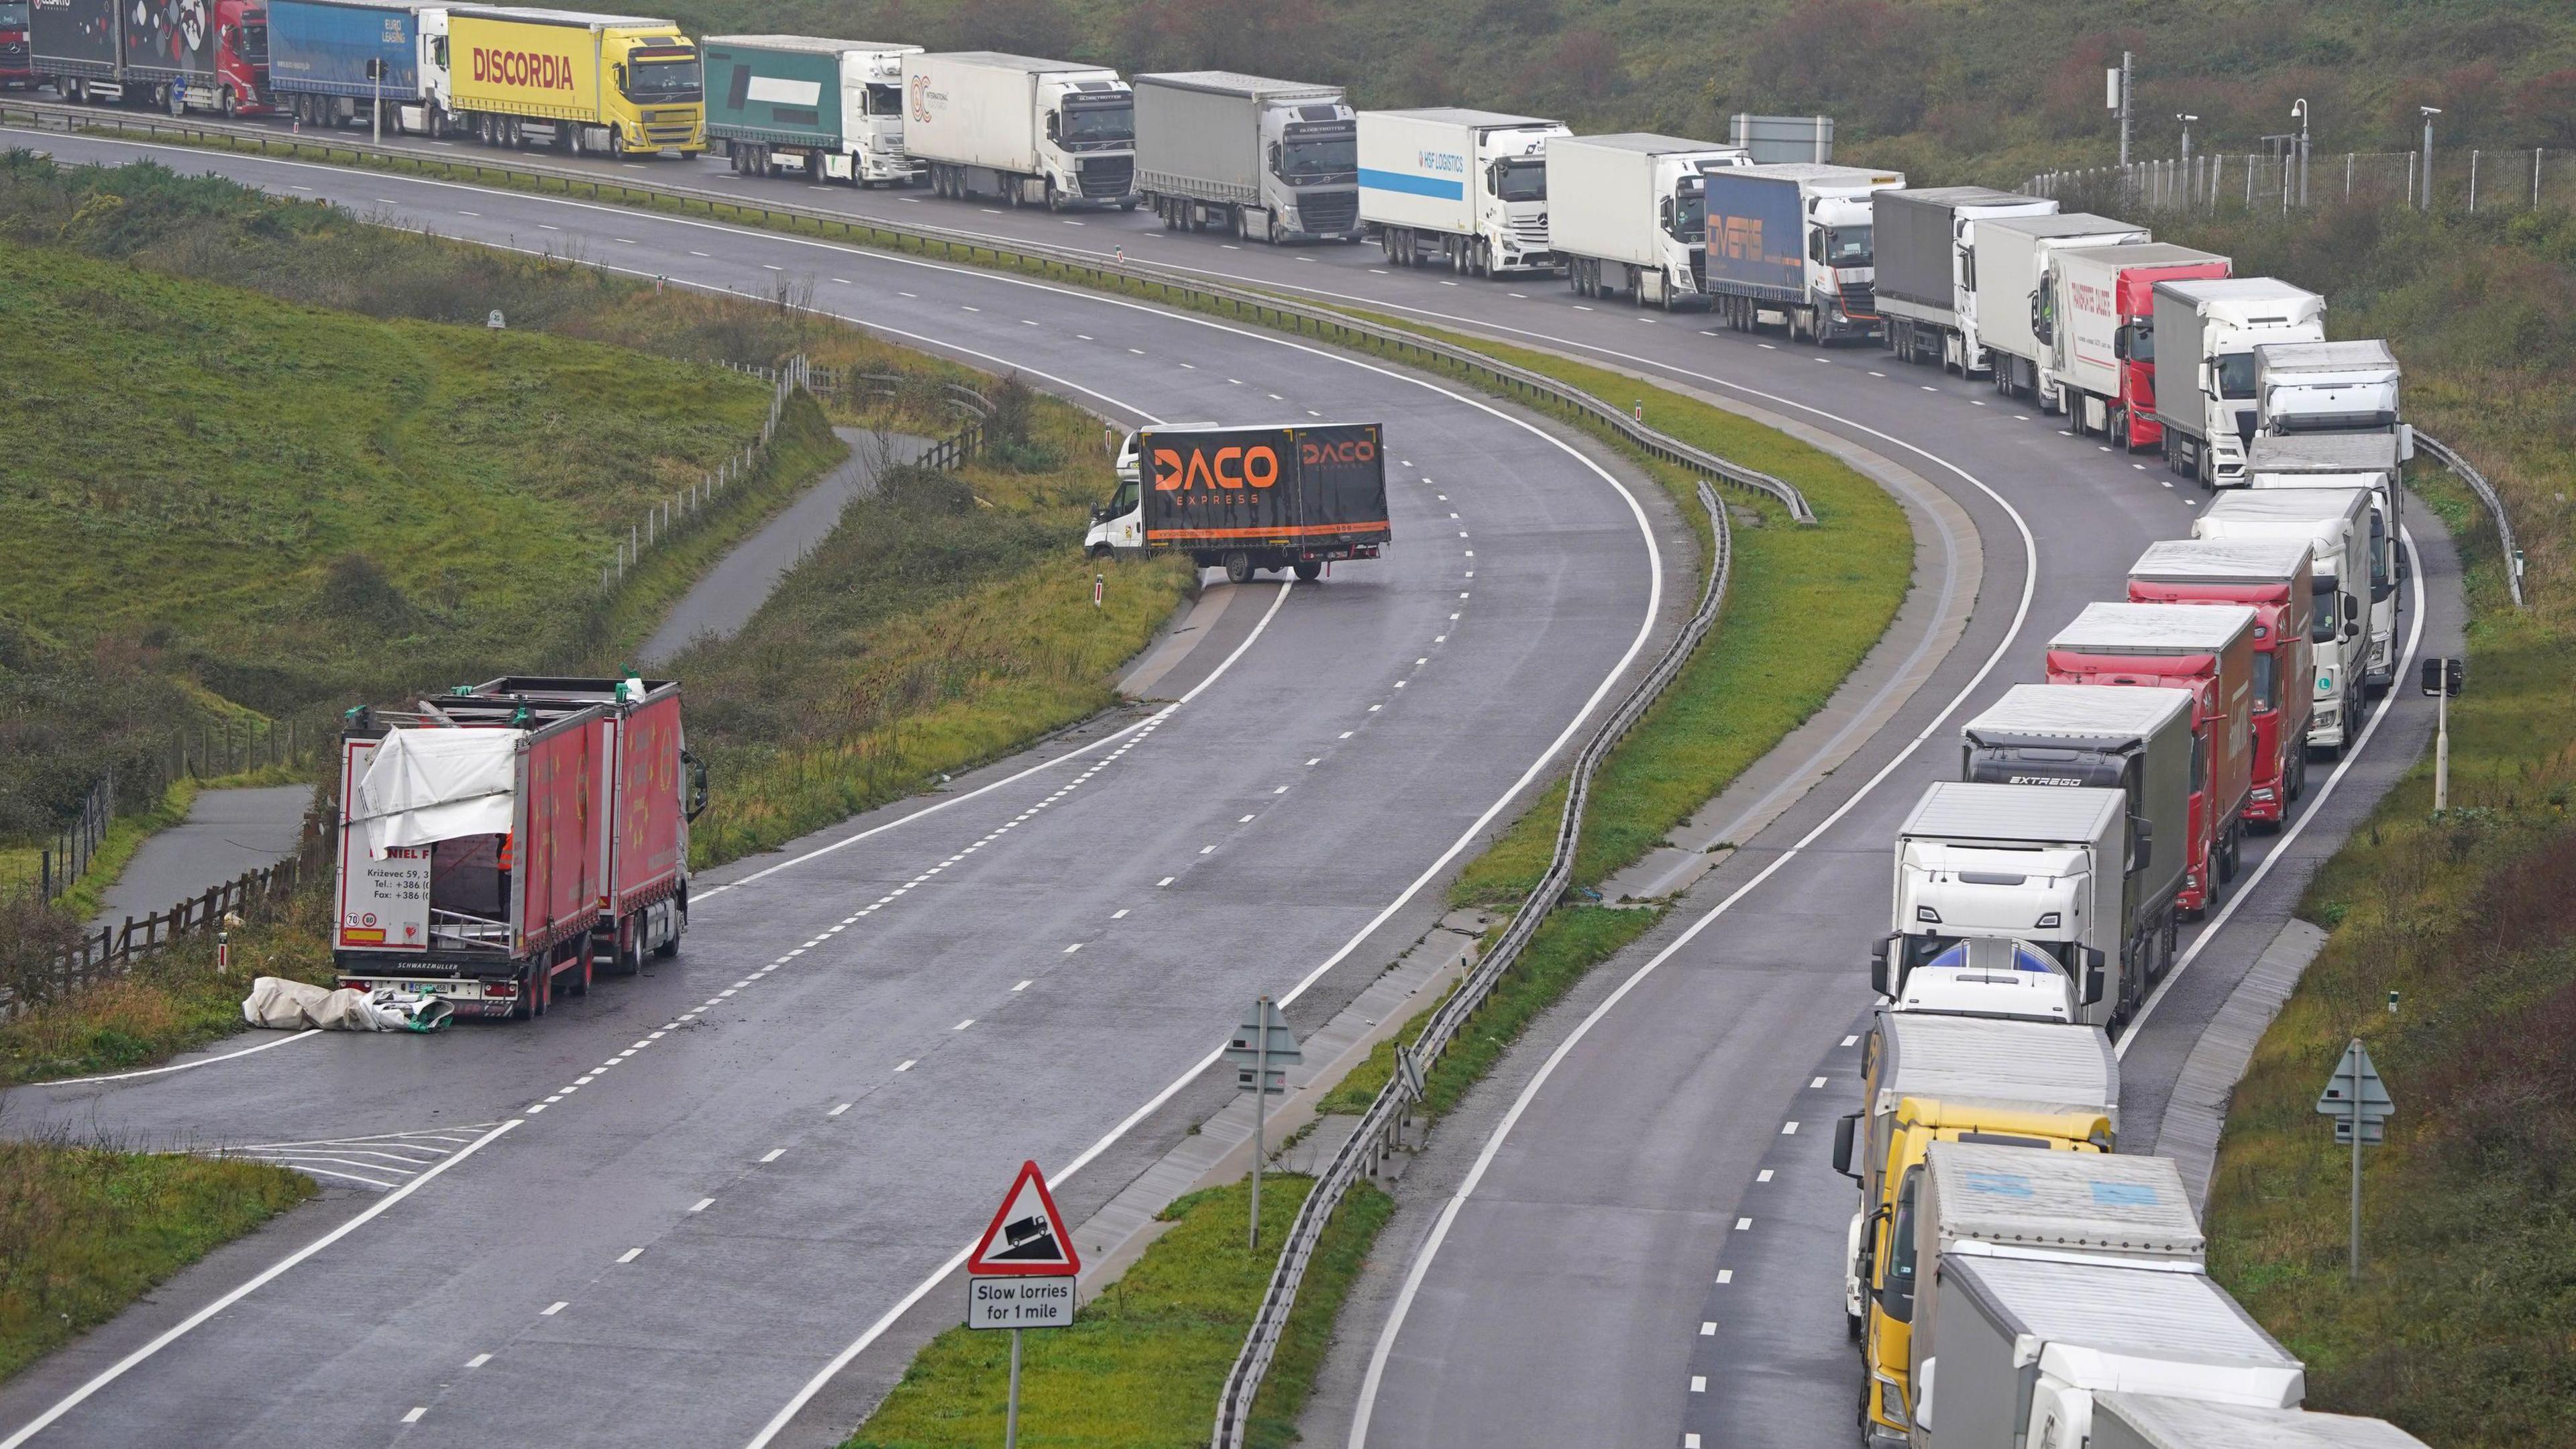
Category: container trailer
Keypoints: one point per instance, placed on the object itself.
(2205, 336)
(2098, 309)
(565, 80)
(1791, 244)
(2335, 524)
(2155, 1421)
(200, 56)
(1627, 213)
(342, 62)
(2375, 461)
(2010, 268)
(2273, 578)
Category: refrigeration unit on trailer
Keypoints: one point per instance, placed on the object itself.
(1468, 188)
(2009, 268)
(2010, 901)
(2335, 523)
(1266, 160)
(1627, 213)
(1928, 1079)
(337, 62)
(2097, 307)
(1247, 498)
(1792, 243)
(1924, 242)
(1032, 132)
(2019, 1348)
(2209, 651)
(566, 80)
(207, 55)
(2116, 737)
(2271, 577)
(2206, 333)
(826, 110)
(2375, 461)
(2326, 387)
(2156, 1421)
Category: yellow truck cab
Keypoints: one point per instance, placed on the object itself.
(569, 80)
(2039, 1085)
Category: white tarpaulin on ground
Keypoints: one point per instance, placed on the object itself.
(294, 1006)
(425, 786)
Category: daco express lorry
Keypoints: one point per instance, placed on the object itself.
(1248, 498)
(615, 85)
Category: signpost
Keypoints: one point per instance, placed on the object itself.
(1262, 1050)
(2359, 1103)
(1021, 1275)
(2442, 679)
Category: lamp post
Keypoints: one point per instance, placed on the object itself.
(2299, 113)
(2186, 120)
(2429, 113)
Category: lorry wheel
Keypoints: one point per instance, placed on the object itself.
(679, 923)
(232, 104)
(616, 142)
(1309, 570)
(1238, 567)
(1055, 201)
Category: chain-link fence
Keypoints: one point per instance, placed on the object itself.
(2463, 180)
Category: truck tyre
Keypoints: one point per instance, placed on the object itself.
(1309, 570)
(232, 104)
(1238, 567)
(616, 142)
(1054, 201)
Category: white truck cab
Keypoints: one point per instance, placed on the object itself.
(2008, 901)
(2337, 523)
(2375, 461)
(1118, 526)
(2205, 335)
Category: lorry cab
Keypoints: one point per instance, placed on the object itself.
(2009, 901)
(17, 49)
(2206, 332)
(2334, 522)
(872, 115)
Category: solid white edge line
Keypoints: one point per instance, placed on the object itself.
(2281, 845)
(175, 1066)
(187, 1325)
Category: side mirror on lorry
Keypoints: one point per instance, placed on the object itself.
(1846, 1133)
(1879, 979)
(697, 769)
(2405, 442)
(2142, 842)
(2093, 982)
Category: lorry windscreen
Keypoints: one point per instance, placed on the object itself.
(1309, 158)
(1690, 213)
(250, 38)
(2142, 341)
(665, 80)
(13, 14)
(1522, 178)
(1103, 121)
(2236, 375)
(2379, 551)
(2325, 615)
(1847, 246)
(885, 100)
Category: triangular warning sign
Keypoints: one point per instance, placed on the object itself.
(1028, 1235)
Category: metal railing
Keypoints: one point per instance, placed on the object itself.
(1384, 1118)
(64, 859)
(1173, 283)
(2444, 454)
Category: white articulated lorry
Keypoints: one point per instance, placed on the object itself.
(2205, 336)
(2011, 901)
(1793, 243)
(2154, 1421)
(1465, 187)
(1924, 240)
(2010, 270)
(2336, 522)
(2373, 461)
(1267, 160)
(1627, 213)
(2326, 387)
(1033, 132)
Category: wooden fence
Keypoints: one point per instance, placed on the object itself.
(61, 865)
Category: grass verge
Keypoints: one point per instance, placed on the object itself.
(86, 1230)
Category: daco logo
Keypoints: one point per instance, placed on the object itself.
(1348, 450)
(1228, 467)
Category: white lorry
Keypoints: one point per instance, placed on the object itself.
(2018, 1348)
(1925, 242)
(1465, 187)
(2008, 269)
(2326, 387)
(2205, 336)
(1267, 160)
(1627, 213)
(2154, 1421)
(2010, 901)
(1032, 132)
(1793, 243)
(2337, 523)
(2375, 461)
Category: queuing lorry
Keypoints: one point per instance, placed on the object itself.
(17, 58)
(1031, 132)
(360, 63)
(567, 80)
(2119, 737)
(1266, 160)
(2022, 1349)
(497, 840)
(211, 55)
(2097, 315)
(1291, 496)
(2011, 901)
(2209, 651)
(826, 110)
(1468, 188)
(1793, 241)
(2326, 387)
(2205, 336)
(1923, 239)
(2335, 524)
(2271, 577)
(2155, 1421)
(2375, 461)
(2011, 272)
(1928, 1079)
(1627, 213)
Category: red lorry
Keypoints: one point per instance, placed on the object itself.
(209, 55)
(509, 840)
(2208, 649)
(2272, 577)
(2105, 301)
(17, 49)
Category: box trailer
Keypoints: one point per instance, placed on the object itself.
(1468, 188)
(1627, 213)
(2155, 1421)
(565, 80)
(825, 110)
(1791, 243)
(1266, 160)
(2377, 462)
(360, 63)
(1249, 498)
(2010, 266)
(1923, 239)
(2336, 523)
(1032, 132)
(2097, 308)
(2205, 336)
(2273, 577)
(204, 56)
(2005, 1201)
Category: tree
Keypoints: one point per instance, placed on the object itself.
(1025, 27)
(2544, 109)
(1864, 59)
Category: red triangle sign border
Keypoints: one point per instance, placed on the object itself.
(980, 1264)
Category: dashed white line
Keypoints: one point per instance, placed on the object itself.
(1076, 946)
(837, 1111)
(1763, 1176)
(1818, 1082)
(480, 1359)
(1699, 1383)
(1788, 1129)
(961, 1026)
(1023, 986)
(1742, 1224)
(905, 1065)
(1708, 1328)
(1853, 1040)
(1120, 914)
(555, 1308)
(414, 1416)
(773, 1154)
(630, 1255)
(1167, 880)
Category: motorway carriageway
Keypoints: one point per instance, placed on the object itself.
(1678, 1276)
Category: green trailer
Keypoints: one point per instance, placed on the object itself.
(827, 110)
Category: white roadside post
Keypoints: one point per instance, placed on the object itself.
(2359, 1103)
(1021, 1275)
(1262, 1050)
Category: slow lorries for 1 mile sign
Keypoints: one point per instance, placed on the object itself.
(1021, 1273)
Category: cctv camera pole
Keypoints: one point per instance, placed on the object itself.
(2429, 113)
(2442, 751)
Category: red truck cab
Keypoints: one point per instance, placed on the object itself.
(17, 47)
(241, 58)
(2135, 345)
(2208, 650)
(2272, 577)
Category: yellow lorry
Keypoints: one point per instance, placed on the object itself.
(2030, 1084)
(567, 80)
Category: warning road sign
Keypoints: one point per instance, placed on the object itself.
(1028, 1236)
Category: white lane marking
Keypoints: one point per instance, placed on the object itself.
(554, 1309)
(1818, 1082)
(701, 1205)
(1167, 880)
(773, 1154)
(907, 1064)
(961, 1026)
(2282, 842)
(1743, 1224)
(1076, 946)
(1023, 986)
(630, 1255)
(478, 1360)
(1763, 1176)
(837, 1111)
(1118, 915)
(1725, 1276)
(1699, 1383)
(1788, 1129)
(414, 1416)
(1853, 1040)
(1246, 820)
(1708, 1328)
(174, 1066)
